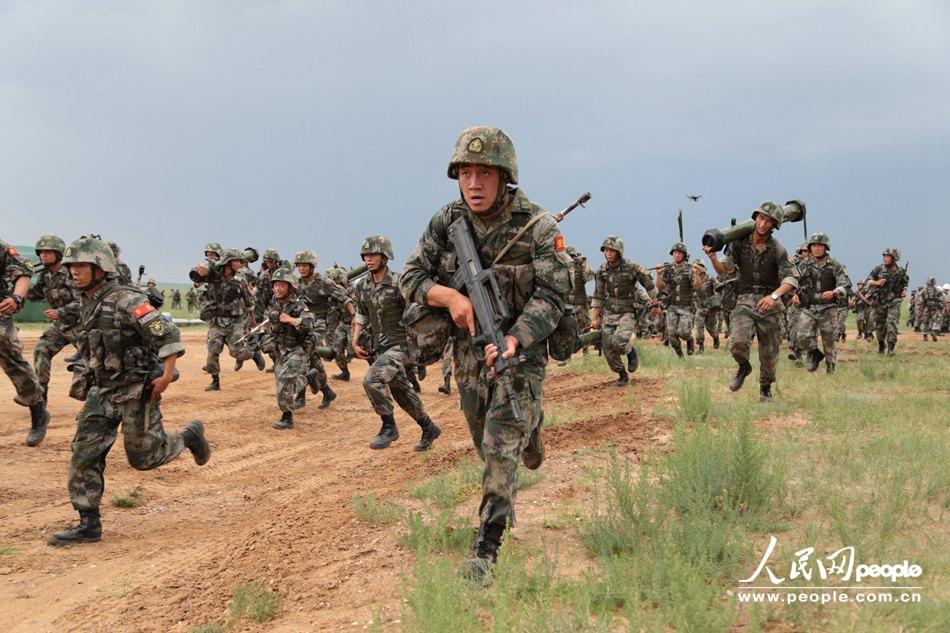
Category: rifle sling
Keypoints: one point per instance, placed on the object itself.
(517, 237)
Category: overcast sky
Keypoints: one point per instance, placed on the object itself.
(164, 125)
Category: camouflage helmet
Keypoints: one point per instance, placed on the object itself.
(285, 274)
(803, 247)
(483, 145)
(272, 255)
(214, 247)
(379, 244)
(614, 242)
(114, 247)
(306, 257)
(336, 273)
(151, 281)
(893, 252)
(90, 250)
(230, 255)
(679, 246)
(820, 238)
(932, 281)
(771, 210)
(250, 255)
(571, 251)
(50, 243)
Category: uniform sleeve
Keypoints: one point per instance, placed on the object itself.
(16, 265)
(874, 275)
(307, 321)
(729, 257)
(334, 291)
(160, 335)
(38, 290)
(598, 300)
(643, 276)
(785, 268)
(420, 273)
(552, 284)
(588, 271)
(842, 283)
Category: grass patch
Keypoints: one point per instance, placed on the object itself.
(442, 532)
(131, 499)
(6, 550)
(252, 601)
(447, 489)
(369, 509)
(557, 417)
(207, 628)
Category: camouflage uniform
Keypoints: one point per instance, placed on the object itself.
(616, 294)
(28, 389)
(319, 293)
(817, 315)
(176, 299)
(729, 295)
(535, 277)
(581, 273)
(841, 322)
(707, 314)
(191, 298)
(678, 280)
(887, 301)
(340, 324)
(914, 309)
(124, 273)
(862, 310)
(291, 345)
(932, 300)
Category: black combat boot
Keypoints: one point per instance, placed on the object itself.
(701, 348)
(301, 399)
(388, 433)
(793, 354)
(479, 565)
(633, 361)
(343, 375)
(890, 349)
(328, 396)
(286, 421)
(715, 342)
(259, 360)
(814, 359)
(421, 369)
(429, 434)
(622, 379)
(829, 368)
(689, 346)
(533, 454)
(39, 420)
(238, 364)
(312, 381)
(744, 370)
(925, 337)
(89, 530)
(679, 351)
(446, 386)
(765, 393)
(72, 359)
(193, 436)
(215, 383)
(881, 346)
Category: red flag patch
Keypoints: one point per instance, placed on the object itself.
(559, 242)
(142, 310)
(12, 250)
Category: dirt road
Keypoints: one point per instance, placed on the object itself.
(271, 506)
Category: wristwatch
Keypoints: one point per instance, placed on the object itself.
(774, 296)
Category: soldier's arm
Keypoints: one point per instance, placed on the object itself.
(162, 336)
(597, 302)
(643, 276)
(37, 291)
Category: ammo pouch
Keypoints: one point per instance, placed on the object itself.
(81, 383)
(207, 312)
(427, 333)
(564, 340)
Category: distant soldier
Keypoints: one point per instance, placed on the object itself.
(190, 299)
(15, 273)
(765, 275)
(681, 281)
(176, 299)
(792, 310)
(155, 296)
(841, 333)
(861, 307)
(821, 282)
(581, 273)
(614, 307)
(916, 310)
(339, 324)
(124, 272)
(933, 301)
(890, 287)
(380, 304)
(130, 354)
(707, 314)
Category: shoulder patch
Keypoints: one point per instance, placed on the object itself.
(141, 310)
(559, 242)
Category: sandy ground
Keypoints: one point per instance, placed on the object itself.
(272, 507)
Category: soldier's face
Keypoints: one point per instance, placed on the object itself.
(270, 264)
(678, 257)
(281, 289)
(888, 260)
(375, 261)
(818, 250)
(211, 256)
(305, 270)
(611, 255)
(479, 185)
(48, 257)
(81, 274)
(763, 224)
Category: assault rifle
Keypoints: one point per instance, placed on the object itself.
(489, 305)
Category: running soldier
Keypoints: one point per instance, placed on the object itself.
(707, 314)
(191, 299)
(842, 304)
(861, 307)
(681, 281)
(581, 273)
(792, 310)
(339, 324)
(889, 285)
(821, 282)
(932, 300)
(263, 293)
(176, 299)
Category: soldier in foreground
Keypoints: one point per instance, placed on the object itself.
(535, 273)
(130, 354)
(889, 284)
(615, 307)
(15, 273)
(680, 281)
(765, 275)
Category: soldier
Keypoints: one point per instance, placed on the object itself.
(288, 338)
(932, 300)
(842, 310)
(912, 310)
(155, 296)
(728, 285)
(130, 354)
(535, 273)
(889, 284)
(176, 299)
(15, 273)
(861, 308)
(124, 272)
(614, 306)
(581, 273)
(682, 281)
(339, 324)
(707, 315)
(380, 305)
(229, 300)
(317, 291)
(263, 292)
(792, 310)
(191, 299)
(765, 275)
(917, 308)
(821, 282)
(55, 287)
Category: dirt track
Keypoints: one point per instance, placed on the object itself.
(272, 507)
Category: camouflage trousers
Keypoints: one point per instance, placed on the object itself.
(447, 359)
(498, 439)
(290, 374)
(887, 316)
(726, 320)
(147, 445)
(386, 379)
(841, 320)
(747, 322)
(228, 332)
(791, 318)
(679, 325)
(341, 345)
(617, 339)
(812, 321)
(863, 325)
(932, 319)
(707, 320)
(28, 390)
(50, 343)
(316, 363)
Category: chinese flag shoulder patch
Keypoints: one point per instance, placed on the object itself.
(559, 242)
(12, 250)
(139, 311)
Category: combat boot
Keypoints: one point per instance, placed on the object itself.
(259, 360)
(238, 364)
(793, 354)
(429, 434)
(215, 383)
(829, 368)
(744, 370)
(765, 393)
(89, 530)
(815, 358)
(925, 337)
(39, 420)
(633, 360)
(301, 399)
(622, 379)
(328, 396)
(701, 348)
(388, 433)
(533, 454)
(715, 342)
(481, 563)
(343, 375)
(880, 346)
(890, 349)
(689, 346)
(932, 335)
(286, 421)
(446, 386)
(421, 369)
(194, 439)
(72, 359)
(312, 381)
(679, 351)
